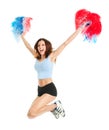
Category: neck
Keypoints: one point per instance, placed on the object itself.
(42, 56)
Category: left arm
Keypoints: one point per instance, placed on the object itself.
(62, 46)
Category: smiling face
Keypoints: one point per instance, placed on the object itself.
(41, 47)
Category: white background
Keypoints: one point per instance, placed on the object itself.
(81, 72)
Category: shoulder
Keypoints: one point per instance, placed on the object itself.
(35, 54)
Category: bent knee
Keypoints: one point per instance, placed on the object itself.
(31, 114)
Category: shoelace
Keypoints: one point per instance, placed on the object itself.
(60, 110)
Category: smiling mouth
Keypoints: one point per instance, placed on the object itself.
(41, 51)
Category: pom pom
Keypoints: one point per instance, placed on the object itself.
(26, 24)
(20, 25)
(92, 30)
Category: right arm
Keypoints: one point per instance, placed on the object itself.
(28, 46)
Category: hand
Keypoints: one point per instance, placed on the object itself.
(23, 34)
(86, 24)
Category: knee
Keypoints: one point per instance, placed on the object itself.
(31, 115)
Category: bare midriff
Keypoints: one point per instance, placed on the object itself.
(43, 82)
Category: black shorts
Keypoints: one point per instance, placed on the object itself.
(49, 89)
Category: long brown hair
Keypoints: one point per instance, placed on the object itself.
(48, 48)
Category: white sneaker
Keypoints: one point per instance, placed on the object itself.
(55, 113)
(59, 109)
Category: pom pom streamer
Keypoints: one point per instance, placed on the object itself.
(91, 32)
(20, 25)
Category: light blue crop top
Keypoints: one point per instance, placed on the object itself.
(44, 68)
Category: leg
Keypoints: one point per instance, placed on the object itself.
(40, 105)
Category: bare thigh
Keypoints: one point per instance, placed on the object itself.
(41, 101)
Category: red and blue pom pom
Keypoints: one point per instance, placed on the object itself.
(91, 32)
(21, 25)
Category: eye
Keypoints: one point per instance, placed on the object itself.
(38, 45)
(43, 44)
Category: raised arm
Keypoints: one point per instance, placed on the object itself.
(28, 46)
(62, 46)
